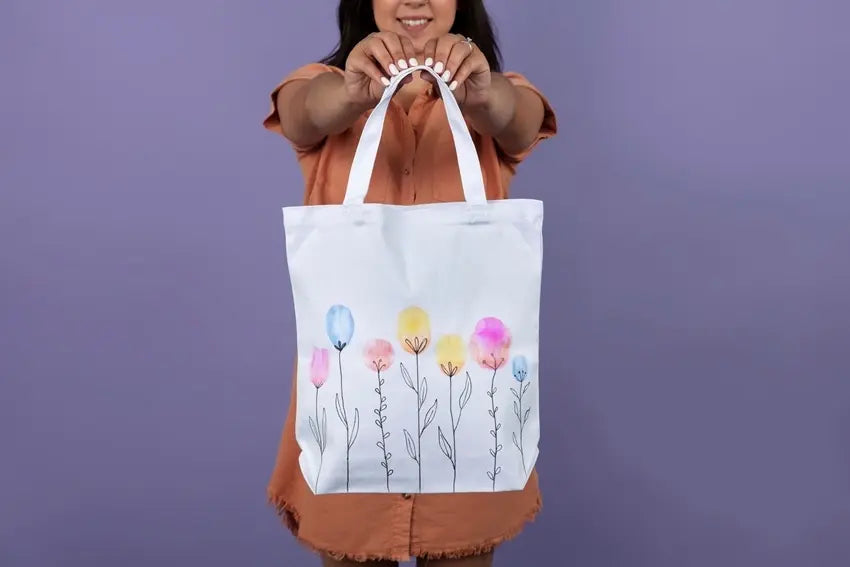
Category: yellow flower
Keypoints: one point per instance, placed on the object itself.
(414, 330)
(451, 354)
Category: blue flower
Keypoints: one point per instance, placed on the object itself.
(520, 367)
(340, 326)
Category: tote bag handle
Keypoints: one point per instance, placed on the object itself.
(367, 148)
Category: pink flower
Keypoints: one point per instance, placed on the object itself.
(378, 355)
(490, 343)
(319, 367)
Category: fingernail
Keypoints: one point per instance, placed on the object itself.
(402, 63)
(453, 86)
(385, 81)
(438, 67)
(429, 62)
(446, 76)
(414, 62)
(393, 69)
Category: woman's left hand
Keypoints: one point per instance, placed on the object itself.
(461, 65)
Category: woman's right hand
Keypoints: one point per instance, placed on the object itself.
(372, 62)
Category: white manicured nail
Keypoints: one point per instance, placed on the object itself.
(439, 67)
(385, 81)
(393, 69)
(413, 62)
(429, 62)
(402, 63)
(453, 86)
(446, 76)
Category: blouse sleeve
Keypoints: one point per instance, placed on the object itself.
(548, 128)
(272, 120)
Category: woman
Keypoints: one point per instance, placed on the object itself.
(321, 109)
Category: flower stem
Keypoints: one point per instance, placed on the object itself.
(381, 425)
(495, 423)
(345, 422)
(454, 438)
(320, 440)
(418, 423)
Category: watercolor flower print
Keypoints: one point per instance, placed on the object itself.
(489, 346)
(378, 355)
(339, 324)
(414, 334)
(451, 356)
(318, 377)
(520, 370)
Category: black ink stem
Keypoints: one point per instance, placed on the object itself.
(495, 424)
(381, 421)
(454, 439)
(345, 421)
(418, 423)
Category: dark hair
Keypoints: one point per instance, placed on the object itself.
(356, 20)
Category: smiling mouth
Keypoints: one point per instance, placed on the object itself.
(414, 24)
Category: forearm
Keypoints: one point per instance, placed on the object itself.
(318, 109)
(511, 115)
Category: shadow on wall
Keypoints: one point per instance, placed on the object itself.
(601, 513)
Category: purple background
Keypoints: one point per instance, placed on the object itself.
(696, 307)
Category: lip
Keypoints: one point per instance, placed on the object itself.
(414, 29)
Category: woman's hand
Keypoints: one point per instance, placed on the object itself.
(377, 57)
(462, 66)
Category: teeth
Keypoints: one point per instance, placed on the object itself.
(412, 23)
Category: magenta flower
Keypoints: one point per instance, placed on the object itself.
(490, 343)
(378, 355)
(319, 367)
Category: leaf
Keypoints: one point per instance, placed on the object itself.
(524, 388)
(499, 448)
(411, 447)
(315, 431)
(490, 412)
(516, 409)
(525, 419)
(383, 419)
(380, 445)
(492, 433)
(339, 410)
(406, 377)
(494, 390)
(490, 475)
(378, 423)
(467, 391)
(386, 434)
(377, 391)
(492, 453)
(355, 428)
(389, 456)
(324, 429)
(516, 443)
(444, 443)
(424, 392)
(376, 411)
(498, 469)
(498, 426)
(429, 417)
(390, 472)
(515, 393)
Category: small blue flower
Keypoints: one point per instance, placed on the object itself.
(340, 326)
(520, 367)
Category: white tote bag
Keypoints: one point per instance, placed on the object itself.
(417, 333)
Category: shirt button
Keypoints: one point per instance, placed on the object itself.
(407, 171)
(406, 496)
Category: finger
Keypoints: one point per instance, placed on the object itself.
(393, 46)
(362, 63)
(460, 52)
(377, 50)
(473, 64)
(409, 50)
(443, 50)
(428, 52)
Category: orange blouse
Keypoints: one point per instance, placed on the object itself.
(416, 163)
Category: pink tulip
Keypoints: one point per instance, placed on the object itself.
(490, 343)
(378, 355)
(319, 367)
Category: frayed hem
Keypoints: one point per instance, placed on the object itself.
(487, 546)
(292, 519)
